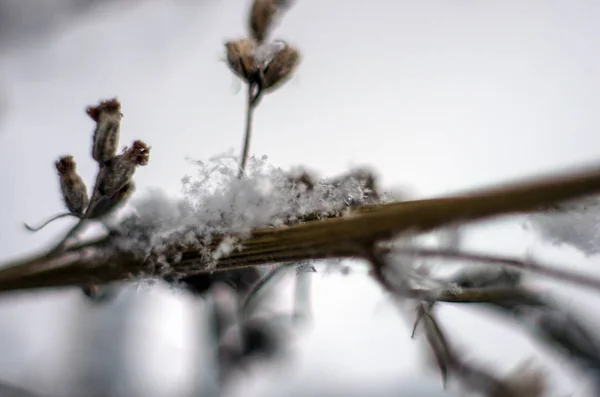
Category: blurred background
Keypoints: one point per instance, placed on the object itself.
(436, 96)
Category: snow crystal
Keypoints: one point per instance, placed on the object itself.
(216, 202)
(265, 53)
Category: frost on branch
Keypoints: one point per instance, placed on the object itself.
(576, 223)
(217, 203)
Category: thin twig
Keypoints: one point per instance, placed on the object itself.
(580, 279)
(447, 359)
(245, 306)
(47, 222)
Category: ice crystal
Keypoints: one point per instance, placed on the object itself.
(216, 203)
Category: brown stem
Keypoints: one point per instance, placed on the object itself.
(248, 132)
(338, 237)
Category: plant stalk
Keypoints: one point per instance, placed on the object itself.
(248, 132)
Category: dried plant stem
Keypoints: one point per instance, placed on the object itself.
(248, 132)
(553, 272)
(104, 262)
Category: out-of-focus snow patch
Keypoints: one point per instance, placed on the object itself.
(575, 223)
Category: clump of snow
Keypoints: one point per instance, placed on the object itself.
(216, 202)
(226, 247)
(576, 223)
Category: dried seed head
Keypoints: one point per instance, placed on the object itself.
(65, 165)
(107, 116)
(109, 106)
(240, 59)
(280, 69)
(72, 186)
(139, 153)
(104, 205)
(262, 16)
(117, 172)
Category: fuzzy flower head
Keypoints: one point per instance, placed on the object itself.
(65, 165)
(72, 187)
(105, 140)
(110, 106)
(139, 153)
(119, 171)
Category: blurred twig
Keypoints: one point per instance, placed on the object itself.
(526, 265)
(448, 360)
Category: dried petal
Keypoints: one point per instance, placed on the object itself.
(262, 16)
(72, 186)
(117, 172)
(240, 59)
(107, 116)
(280, 69)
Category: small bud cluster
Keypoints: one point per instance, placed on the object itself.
(263, 65)
(114, 183)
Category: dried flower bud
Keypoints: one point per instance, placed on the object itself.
(72, 186)
(262, 15)
(117, 172)
(107, 116)
(104, 205)
(241, 61)
(280, 69)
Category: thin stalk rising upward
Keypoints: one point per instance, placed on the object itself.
(247, 135)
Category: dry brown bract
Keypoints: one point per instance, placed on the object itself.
(280, 69)
(72, 186)
(107, 116)
(118, 172)
(240, 59)
(262, 17)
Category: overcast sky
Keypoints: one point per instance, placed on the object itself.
(437, 96)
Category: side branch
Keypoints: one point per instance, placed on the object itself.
(104, 262)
